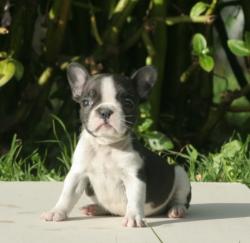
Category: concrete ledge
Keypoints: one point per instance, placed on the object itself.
(220, 212)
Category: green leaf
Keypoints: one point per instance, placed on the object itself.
(238, 47)
(229, 150)
(145, 125)
(7, 71)
(206, 62)
(158, 141)
(198, 9)
(199, 44)
(19, 69)
(192, 152)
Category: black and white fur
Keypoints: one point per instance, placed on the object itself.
(120, 175)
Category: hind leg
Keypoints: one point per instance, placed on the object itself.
(182, 194)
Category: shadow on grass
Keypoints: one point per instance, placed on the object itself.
(210, 211)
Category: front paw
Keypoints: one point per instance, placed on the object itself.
(54, 216)
(133, 221)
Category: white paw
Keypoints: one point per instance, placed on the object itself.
(177, 212)
(133, 221)
(53, 216)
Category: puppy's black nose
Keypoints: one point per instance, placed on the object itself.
(104, 112)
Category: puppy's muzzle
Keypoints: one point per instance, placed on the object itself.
(104, 113)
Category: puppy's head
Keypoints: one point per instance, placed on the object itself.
(109, 102)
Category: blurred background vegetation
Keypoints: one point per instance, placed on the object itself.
(199, 111)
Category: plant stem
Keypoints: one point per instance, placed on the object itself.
(238, 109)
(212, 7)
(94, 28)
(188, 72)
(203, 19)
(149, 45)
(111, 35)
(55, 34)
(217, 114)
(119, 15)
(132, 40)
(159, 42)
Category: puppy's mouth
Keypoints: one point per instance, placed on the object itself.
(104, 125)
(111, 127)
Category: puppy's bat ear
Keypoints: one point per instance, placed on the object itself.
(77, 76)
(144, 79)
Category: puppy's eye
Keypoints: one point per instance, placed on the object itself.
(128, 102)
(85, 102)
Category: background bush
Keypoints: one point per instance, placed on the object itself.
(200, 49)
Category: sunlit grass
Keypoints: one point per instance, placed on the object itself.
(230, 164)
(14, 167)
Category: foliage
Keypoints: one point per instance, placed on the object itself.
(198, 9)
(116, 36)
(10, 68)
(230, 164)
(240, 47)
(13, 166)
(38, 39)
(66, 148)
(155, 140)
(201, 50)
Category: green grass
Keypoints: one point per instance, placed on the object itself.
(230, 164)
(14, 166)
(65, 147)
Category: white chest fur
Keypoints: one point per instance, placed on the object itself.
(108, 168)
(106, 177)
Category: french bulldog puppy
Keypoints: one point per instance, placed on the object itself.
(120, 175)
